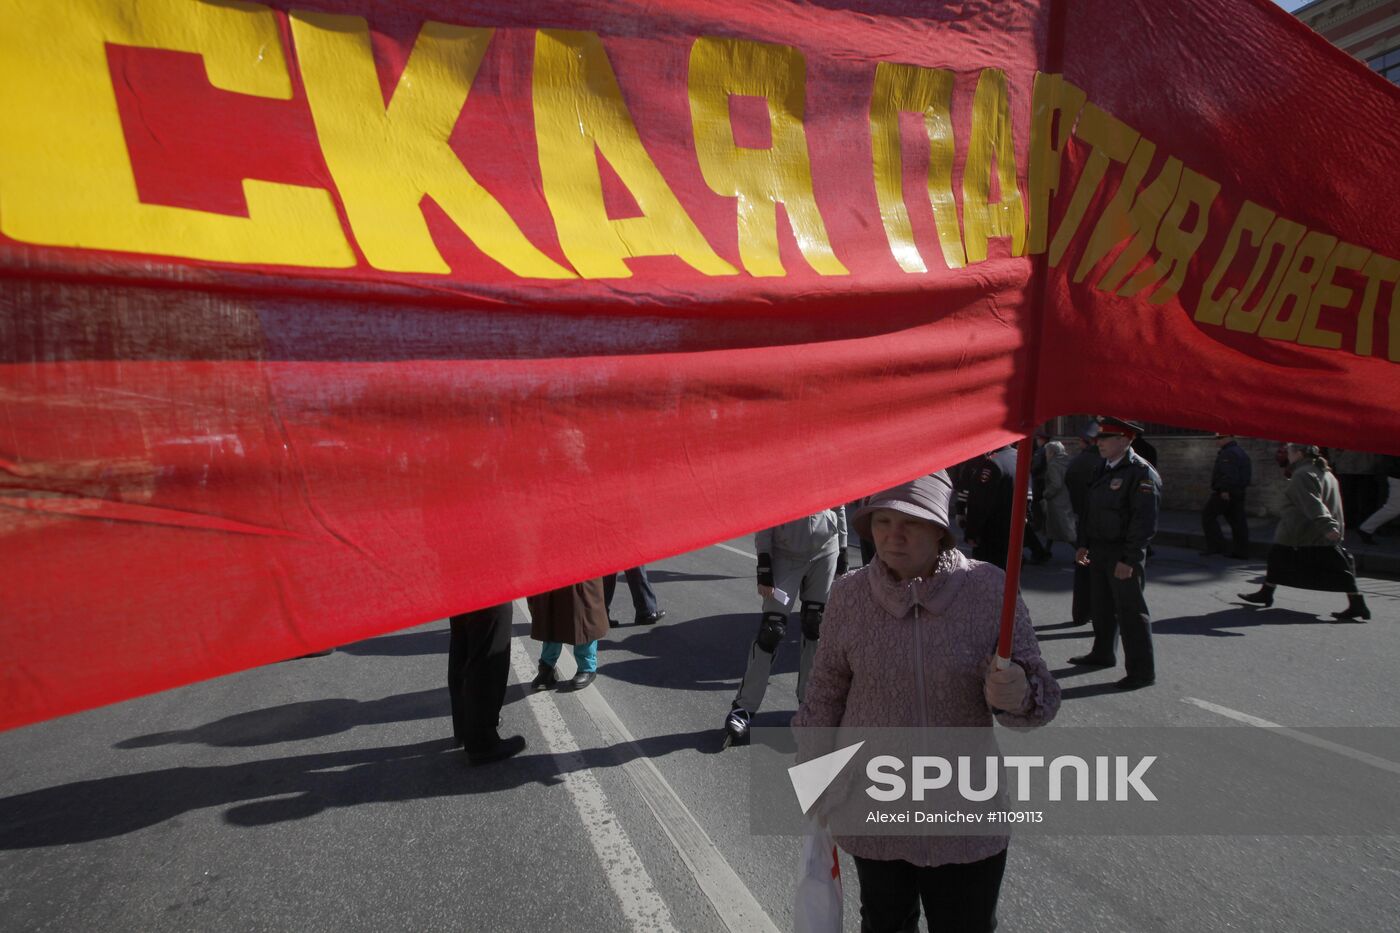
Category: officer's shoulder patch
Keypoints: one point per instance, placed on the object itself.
(985, 476)
(1145, 486)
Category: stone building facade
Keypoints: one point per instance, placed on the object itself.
(1366, 29)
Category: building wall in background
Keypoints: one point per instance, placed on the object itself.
(1366, 29)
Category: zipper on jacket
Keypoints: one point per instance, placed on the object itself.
(923, 694)
(919, 665)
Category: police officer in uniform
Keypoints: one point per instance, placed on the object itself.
(1118, 523)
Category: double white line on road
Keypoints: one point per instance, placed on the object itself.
(641, 904)
(737, 908)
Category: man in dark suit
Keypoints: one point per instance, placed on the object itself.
(1228, 482)
(478, 666)
(643, 596)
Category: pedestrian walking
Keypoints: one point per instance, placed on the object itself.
(1391, 509)
(644, 605)
(1119, 521)
(797, 561)
(571, 615)
(1307, 551)
(1039, 463)
(909, 643)
(478, 667)
(1059, 510)
(1229, 479)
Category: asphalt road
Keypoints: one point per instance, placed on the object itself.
(321, 794)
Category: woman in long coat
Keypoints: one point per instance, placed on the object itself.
(571, 615)
(1059, 512)
(1307, 551)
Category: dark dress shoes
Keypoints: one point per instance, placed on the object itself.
(545, 679)
(502, 748)
(1134, 683)
(582, 679)
(652, 618)
(1088, 660)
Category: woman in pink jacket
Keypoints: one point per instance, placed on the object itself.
(908, 642)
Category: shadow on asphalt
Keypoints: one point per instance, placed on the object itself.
(708, 653)
(1058, 575)
(1084, 691)
(672, 576)
(1059, 625)
(403, 645)
(295, 787)
(1218, 624)
(295, 722)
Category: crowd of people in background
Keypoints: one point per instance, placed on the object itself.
(1099, 493)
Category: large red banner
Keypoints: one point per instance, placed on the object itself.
(320, 321)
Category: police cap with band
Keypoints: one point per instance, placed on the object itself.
(1117, 426)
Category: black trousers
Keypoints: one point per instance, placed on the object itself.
(1232, 510)
(1081, 609)
(1119, 607)
(1038, 548)
(956, 898)
(643, 596)
(478, 665)
(992, 550)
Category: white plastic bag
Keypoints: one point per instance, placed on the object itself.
(817, 907)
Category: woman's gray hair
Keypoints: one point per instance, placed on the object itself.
(1310, 452)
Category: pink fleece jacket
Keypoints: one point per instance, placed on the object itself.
(882, 638)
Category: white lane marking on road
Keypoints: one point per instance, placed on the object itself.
(738, 909)
(735, 905)
(734, 550)
(1344, 750)
(641, 904)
